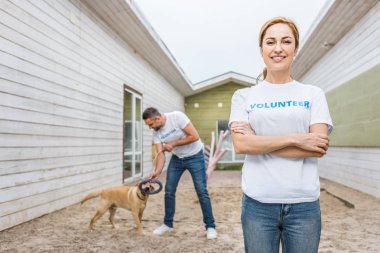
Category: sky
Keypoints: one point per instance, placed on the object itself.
(211, 37)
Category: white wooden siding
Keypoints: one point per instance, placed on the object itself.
(357, 52)
(62, 72)
(358, 168)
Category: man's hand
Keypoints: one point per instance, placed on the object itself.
(154, 174)
(168, 147)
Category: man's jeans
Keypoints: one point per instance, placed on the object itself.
(196, 166)
(297, 225)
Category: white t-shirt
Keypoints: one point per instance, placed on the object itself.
(274, 109)
(172, 130)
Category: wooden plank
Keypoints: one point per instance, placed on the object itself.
(49, 108)
(93, 36)
(354, 167)
(34, 23)
(23, 79)
(367, 58)
(338, 173)
(96, 49)
(19, 179)
(28, 7)
(61, 21)
(362, 184)
(353, 54)
(38, 94)
(22, 204)
(56, 68)
(122, 23)
(359, 164)
(56, 44)
(37, 71)
(362, 154)
(14, 127)
(32, 213)
(21, 166)
(31, 140)
(331, 35)
(30, 153)
(35, 41)
(26, 190)
(14, 140)
(86, 46)
(352, 171)
(360, 187)
(14, 114)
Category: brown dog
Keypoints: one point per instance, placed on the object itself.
(128, 197)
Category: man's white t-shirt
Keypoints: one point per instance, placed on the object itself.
(275, 109)
(173, 130)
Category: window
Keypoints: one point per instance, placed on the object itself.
(132, 143)
(229, 156)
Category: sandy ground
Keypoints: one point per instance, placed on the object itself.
(351, 223)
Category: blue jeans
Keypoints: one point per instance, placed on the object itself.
(297, 226)
(196, 166)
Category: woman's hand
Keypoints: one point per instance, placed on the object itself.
(316, 142)
(241, 127)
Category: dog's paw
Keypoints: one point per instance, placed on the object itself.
(116, 227)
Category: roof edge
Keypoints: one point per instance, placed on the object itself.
(221, 79)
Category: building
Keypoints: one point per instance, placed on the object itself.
(342, 56)
(74, 78)
(209, 107)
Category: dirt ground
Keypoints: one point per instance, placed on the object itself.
(351, 223)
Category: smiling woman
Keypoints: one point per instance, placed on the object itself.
(282, 126)
(278, 45)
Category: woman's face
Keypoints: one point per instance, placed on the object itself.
(278, 47)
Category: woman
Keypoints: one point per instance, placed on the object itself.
(282, 126)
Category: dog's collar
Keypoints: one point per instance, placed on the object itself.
(142, 198)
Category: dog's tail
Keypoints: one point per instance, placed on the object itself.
(91, 196)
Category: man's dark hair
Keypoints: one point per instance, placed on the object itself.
(150, 113)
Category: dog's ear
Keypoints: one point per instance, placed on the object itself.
(138, 182)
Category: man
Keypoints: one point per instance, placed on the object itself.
(173, 132)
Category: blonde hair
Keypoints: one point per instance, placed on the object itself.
(273, 21)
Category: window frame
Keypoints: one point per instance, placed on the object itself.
(135, 95)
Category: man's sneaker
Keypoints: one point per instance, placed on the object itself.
(211, 233)
(162, 230)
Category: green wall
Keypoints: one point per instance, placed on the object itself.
(204, 118)
(355, 111)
